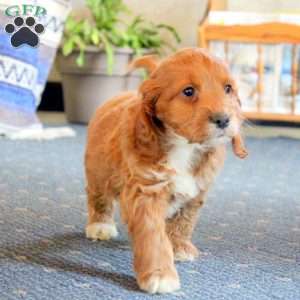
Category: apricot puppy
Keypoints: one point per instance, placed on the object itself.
(157, 151)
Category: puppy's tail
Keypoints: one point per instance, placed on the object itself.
(148, 62)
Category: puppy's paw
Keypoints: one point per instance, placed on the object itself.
(101, 231)
(185, 251)
(160, 282)
(242, 153)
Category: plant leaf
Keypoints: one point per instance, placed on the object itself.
(80, 60)
(171, 30)
(109, 52)
(68, 47)
(95, 37)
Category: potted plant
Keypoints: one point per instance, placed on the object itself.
(96, 52)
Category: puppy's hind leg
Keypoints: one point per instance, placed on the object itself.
(180, 228)
(101, 225)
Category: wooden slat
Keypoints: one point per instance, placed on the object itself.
(267, 33)
(202, 37)
(260, 77)
(294, 76)
(272, 117)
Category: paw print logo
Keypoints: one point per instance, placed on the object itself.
(24, 32)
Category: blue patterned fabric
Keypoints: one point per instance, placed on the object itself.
(249, 229)
(24, 70)
(18, 76)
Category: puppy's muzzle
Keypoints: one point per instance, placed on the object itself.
(221, 120)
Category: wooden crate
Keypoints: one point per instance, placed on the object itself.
(259, 34)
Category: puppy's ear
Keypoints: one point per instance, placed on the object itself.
(148, 62)
(147, 124)
(146, 138)
(150, 92)
(149, 89)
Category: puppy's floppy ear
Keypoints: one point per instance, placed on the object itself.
(148, 89)
(148, 62)
(150, 92)
(146, 137)
(147, 124)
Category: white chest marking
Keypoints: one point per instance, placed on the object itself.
(184, 185)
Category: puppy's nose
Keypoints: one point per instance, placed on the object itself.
(221, 120)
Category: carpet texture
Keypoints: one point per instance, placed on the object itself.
(248, 231)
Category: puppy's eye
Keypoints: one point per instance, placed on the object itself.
(228, 89)
(189, 91)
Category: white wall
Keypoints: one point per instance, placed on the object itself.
(77, 3)
(254, 5)
(289, 6)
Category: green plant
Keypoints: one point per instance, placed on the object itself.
(141, 34)
(106, 30)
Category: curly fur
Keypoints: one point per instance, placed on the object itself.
(157, 151)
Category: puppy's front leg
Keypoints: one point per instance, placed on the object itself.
(238, 147)
(153, 253)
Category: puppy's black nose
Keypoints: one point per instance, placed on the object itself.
(221, 120)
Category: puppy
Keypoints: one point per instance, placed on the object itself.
(158, 151)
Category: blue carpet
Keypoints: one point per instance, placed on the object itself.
(249, 230)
